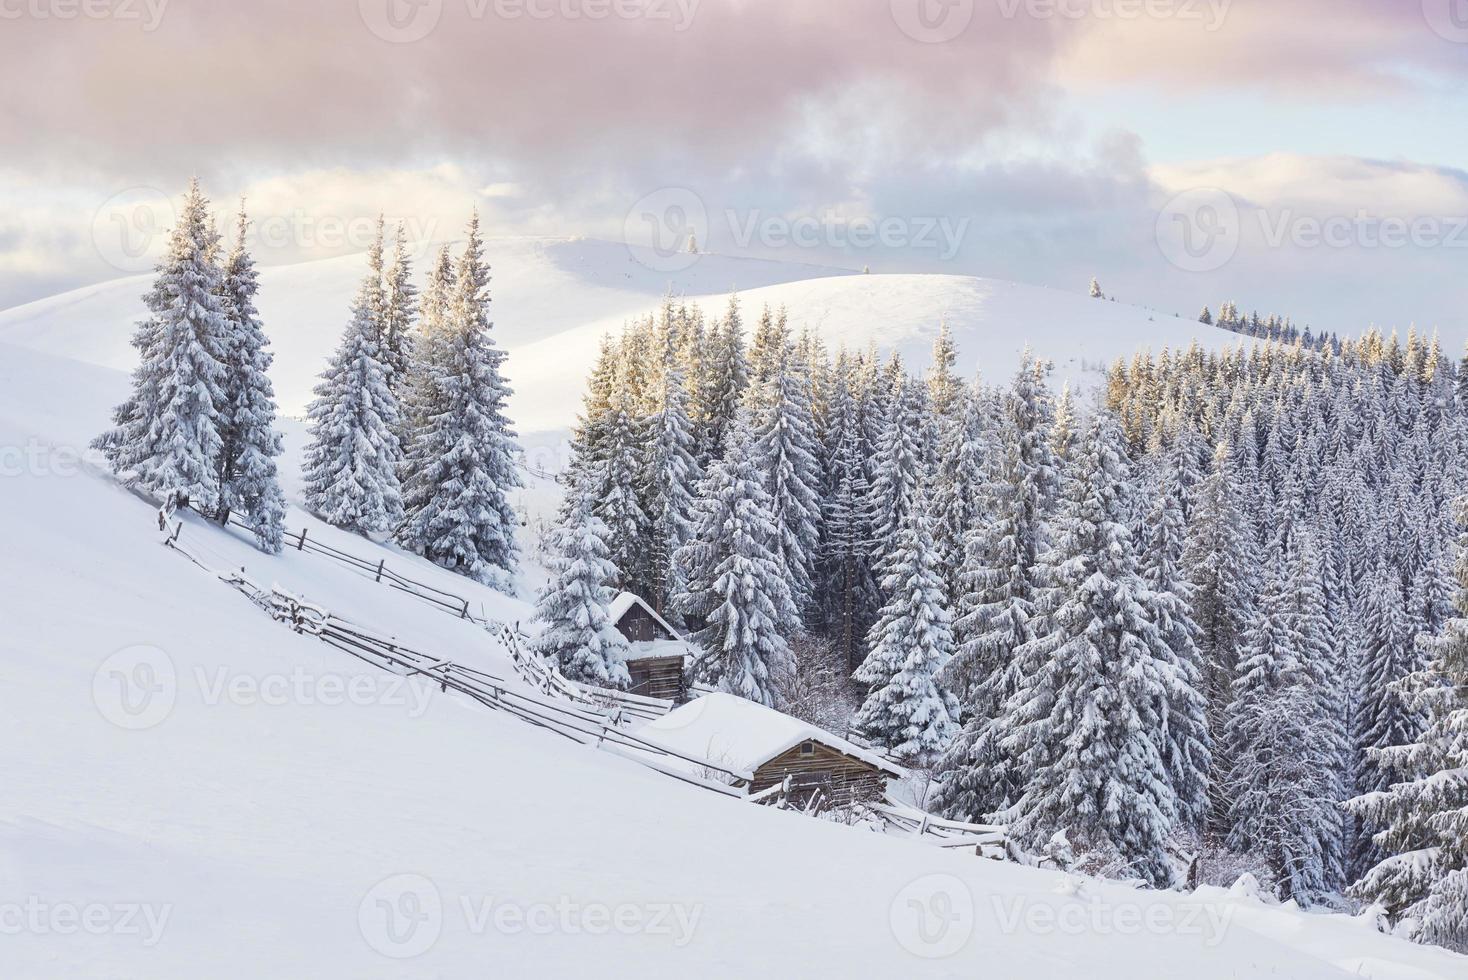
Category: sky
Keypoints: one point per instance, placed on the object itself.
(1305, 158)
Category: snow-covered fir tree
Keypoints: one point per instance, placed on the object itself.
(1283, 795)
(907, 710)
(400, 310)
(734, 580)
(1421, 816)
(1087, 719)
(1000, 584)
(673, 477)
(249, 444)
(576, 629)
(166, 436)
(1186, 740)
(462, 460)
(785, 449)
(350, 468)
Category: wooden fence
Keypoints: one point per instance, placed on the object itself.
(588, 716)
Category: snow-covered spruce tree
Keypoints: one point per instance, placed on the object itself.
(907, 710)
(785, 450)
(999, 582)
(1185, 738)
(672, 479)
(577, 632)
(965, 457)
(945, 390)
(462, 463)
(166, 434)
(734, 582)
(1282, 787)
(725, 376)
(350, 466)
(1088, 735)
(851, 592)
(621, 487)
(399, 312)
(248, 483)
(900, 469)
(1421, 817)
(1389, 653)
(1220, 562)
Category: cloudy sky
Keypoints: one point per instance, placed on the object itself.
(1304, 157)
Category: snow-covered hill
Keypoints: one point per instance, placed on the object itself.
(216, 796)
(554, 297)
(188, 789)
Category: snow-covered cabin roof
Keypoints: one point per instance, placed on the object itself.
(623, 604)
(741, 734)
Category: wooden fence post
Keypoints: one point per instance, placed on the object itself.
(301, 544)
(380, 566)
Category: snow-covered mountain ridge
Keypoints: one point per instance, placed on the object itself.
(554, 298)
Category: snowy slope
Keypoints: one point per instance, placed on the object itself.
(553, 298)
(190, 780)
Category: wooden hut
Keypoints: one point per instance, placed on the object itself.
(740, 735)
(657, 657)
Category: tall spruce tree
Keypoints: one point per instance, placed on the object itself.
(785, 451)
(735, 586)
(400, 309)
(907, 710)
(462, 461)
(1281, 784)
(166, 436)
(576, 629)
(351, 462)
(1421, 817)
(249, 444)
(1000, 584)
(1088, 728)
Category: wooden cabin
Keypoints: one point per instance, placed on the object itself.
(657, 657)
(743, 736)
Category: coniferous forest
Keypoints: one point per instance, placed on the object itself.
(1209, 619)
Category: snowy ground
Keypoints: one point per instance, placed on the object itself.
(190, 790)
